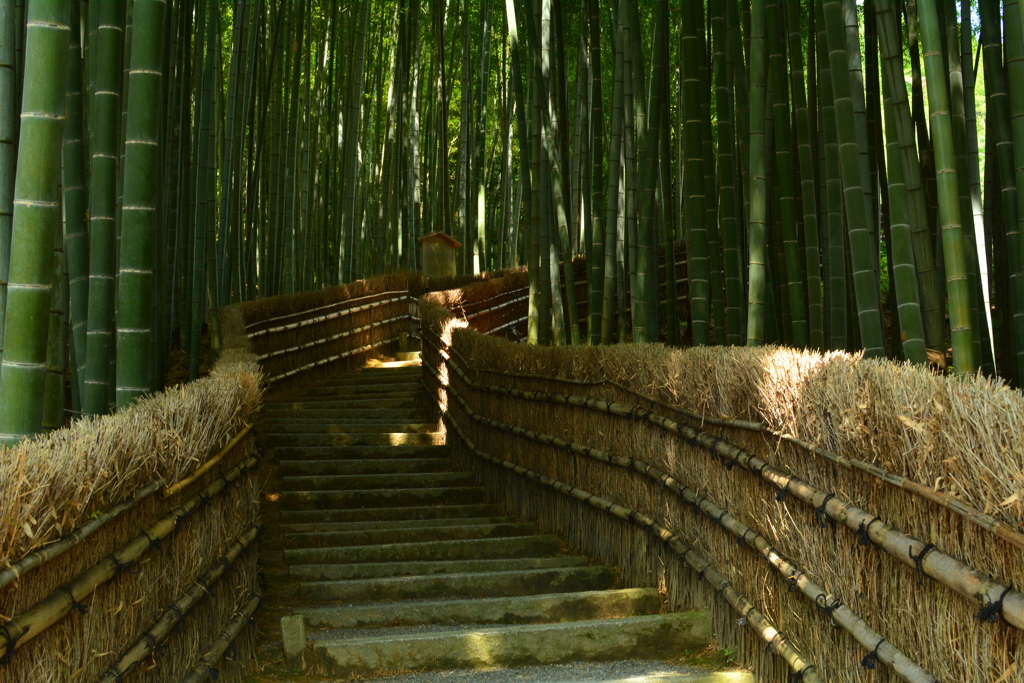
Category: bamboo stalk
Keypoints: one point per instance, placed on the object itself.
(173, 615)
(870, 639)
(48, 611)
(202, 670)
(18, 569)
(209, 464)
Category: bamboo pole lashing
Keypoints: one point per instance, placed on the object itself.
(169, 620)
(315, 310)
(48, 611)
(876, 645)
(995, 598)
(987, 522)
(206, 664)
(330, 316)
(209, 464)
(36, 558)
(755, 619)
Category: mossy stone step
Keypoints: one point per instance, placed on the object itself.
(349, 482)
(321, 539)
(659, 636)
(357, 426)
(372, 438)
(523, 609)
(394, 399)
(470, 585)
(357, 453)
(472, 549)
(381, 498)
(361, 412)
(375, 570)
(391, 513)
(323, 527)
(300, 468)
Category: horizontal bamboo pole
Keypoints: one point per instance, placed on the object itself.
(994, 597)
(752, 617)
(334, 337)
(39, 557)
(330, 316)
(345, 302)
(330, 359)
(52, 609)
(207, 663)
(876, 645)
(173, 615)
(209, 464)
(987, 522)
(492, 309)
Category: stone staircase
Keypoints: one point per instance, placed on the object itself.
(381, 559)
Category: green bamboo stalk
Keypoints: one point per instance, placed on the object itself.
(758, 292)
(601, 244)
(55, 385)
(932, 301)
(998, 109)
(808, 191)
(695, 215)
(7, 152)
(139, 213)
(105, 111)
(729, 222)
(76, 201)
(795, 284)
(863, 254)
(902, 254)
(957, 285)
(615, 210)
(36, 219)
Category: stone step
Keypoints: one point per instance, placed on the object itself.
(393, 513)
(311, 440)
(397, 399)
(364, 385)
(369, 412)
(376, 570)
(361, 426)
(324, 527)
(355, 453)
(387, 498)
(472, 549)
(321, 539)
(374, 377)
(659, 636)
(470, 585)
(528, 609)
(351, 482)
(376, 466)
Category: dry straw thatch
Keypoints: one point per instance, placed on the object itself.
(958, 436)
(53, 485)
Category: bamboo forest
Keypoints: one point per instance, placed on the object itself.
(835, 174)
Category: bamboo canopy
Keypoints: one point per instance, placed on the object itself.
(822, 168)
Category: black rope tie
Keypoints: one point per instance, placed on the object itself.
(204, 500)
(229, 566)
(154, 543)
(791, 580)
(820, 515)
(919, 560)
(132, 566)
(232, 653)
(871, 660)
(75, 605)
(721, 589)
(993, 609)
(759, 470)
(732, 463)
(179, 618)
(721, 516)
(781, 495)
(692, 441)
(214, 673)
(863, 529)
(158, 649)
(12, 643)
(798, 676)
(700, 574)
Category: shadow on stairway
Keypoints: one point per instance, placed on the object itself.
(381, 560)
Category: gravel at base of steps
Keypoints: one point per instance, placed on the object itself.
(644, 671)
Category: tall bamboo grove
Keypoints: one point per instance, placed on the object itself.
(827, 174)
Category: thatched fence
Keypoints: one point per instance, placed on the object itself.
(842, 519)
(127, 543)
